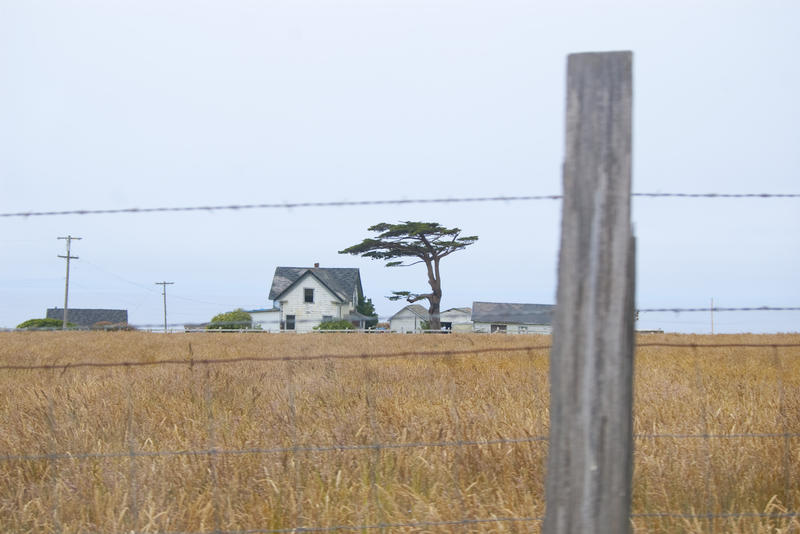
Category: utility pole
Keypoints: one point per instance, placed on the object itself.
(164, 286)
(68, 257)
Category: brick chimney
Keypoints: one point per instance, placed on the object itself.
(316, 265)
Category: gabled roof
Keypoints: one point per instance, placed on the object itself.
(341, 281)
(466, 309)
(89, 317)
(416, 309)
(502, 312)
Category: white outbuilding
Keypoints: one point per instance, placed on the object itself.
(503, 317)
(409, 319)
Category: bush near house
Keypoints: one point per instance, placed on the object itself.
(49, 324)
(233, 320)
(335, 325)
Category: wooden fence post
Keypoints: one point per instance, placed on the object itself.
(589, 466)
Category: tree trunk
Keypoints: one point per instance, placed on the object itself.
(435, 321)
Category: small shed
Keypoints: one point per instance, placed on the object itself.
(409, 319)
(457, 319)
(512, 318)
(269, 319)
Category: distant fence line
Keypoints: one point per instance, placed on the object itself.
(253, 326)
(411, 354)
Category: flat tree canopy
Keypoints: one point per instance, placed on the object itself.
(420, 242)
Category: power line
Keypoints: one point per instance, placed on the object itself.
(358, 203)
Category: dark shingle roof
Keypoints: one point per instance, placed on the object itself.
(89, 317)
(341, 280)
(502, 312)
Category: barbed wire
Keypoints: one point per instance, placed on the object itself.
(282, 205)
(478, 521)
(716, 195)
(63, 367)
(715, 309)
(724, 515)
(273, 450)
(265, 359)
(364, 203)
(381, 526)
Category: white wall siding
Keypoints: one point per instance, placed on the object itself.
(268, 320)
(456, 317)
(515, 328)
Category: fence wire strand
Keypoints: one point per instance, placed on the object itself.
(63, 367)
(365, 203)
(362, 447)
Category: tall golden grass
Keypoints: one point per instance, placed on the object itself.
(730, 400)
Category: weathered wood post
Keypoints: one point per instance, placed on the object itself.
(589, 467)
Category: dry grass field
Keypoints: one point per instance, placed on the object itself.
(252, 446)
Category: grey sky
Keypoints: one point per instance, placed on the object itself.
(180, 103)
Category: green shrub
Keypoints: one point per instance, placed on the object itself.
(234, 320)
(50, 324)
(335, 325)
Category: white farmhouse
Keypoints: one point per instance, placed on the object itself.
(512, 318)
(304, 297)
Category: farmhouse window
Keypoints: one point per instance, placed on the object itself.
(498, 328)
(308, 294)
(290, 322)
(327, 318)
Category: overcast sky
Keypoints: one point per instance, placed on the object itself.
(143, 103)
